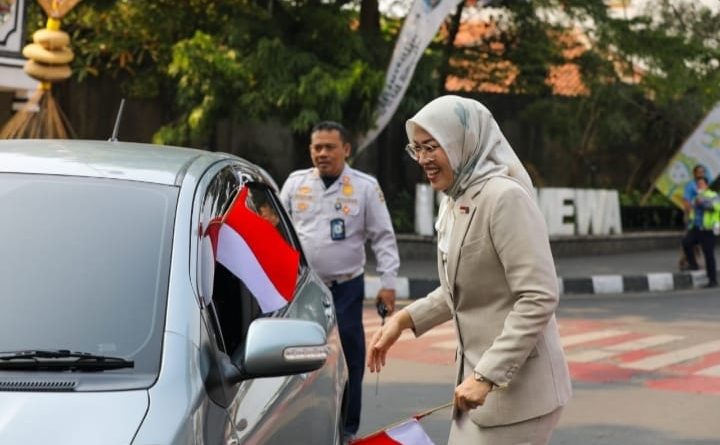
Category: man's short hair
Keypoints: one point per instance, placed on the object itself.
(330, 126)
(698, 166)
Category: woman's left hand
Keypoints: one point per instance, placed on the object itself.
(471, 393)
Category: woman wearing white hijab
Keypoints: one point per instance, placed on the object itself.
(497, 281)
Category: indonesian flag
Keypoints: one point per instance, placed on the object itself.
(409, 432)
(252, 249)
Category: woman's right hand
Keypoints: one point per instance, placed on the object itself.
(384, 338)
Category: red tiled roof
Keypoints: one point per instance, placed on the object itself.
(565, 79)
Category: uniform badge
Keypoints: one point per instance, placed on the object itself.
(302, 206)
(338, 206)
(346, 210)
(337, 229)
(347, 190)
(381, 197)
(346, 179)
(304, 190)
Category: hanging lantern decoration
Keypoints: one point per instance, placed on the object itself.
(49, 58)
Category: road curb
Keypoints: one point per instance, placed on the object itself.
(650, 282)
(413, 288)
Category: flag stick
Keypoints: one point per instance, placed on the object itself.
(416, 417)
(432, 410)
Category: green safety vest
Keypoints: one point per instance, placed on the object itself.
(711, 216)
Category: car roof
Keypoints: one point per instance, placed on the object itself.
(103, 159)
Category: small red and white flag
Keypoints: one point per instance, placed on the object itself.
(409, 432)
(252, 249)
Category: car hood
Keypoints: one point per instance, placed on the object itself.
(70, 417)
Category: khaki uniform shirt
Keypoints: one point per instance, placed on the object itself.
(334, 223)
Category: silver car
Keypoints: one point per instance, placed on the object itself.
(118, 327)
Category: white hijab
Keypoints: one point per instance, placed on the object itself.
(475, 146)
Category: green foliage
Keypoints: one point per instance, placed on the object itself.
(614, 138)
(287, 69)
(636, 198)
(208, 60)
(679, 51)
(205, 71)
(649, 79)
(136, 38)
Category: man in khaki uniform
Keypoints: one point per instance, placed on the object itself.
(335, 210)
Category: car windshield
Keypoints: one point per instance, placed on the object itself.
(84, 266)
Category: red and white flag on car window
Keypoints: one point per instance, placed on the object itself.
(252, 249)
(406, 433)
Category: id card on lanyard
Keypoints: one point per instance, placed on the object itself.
(337, 229)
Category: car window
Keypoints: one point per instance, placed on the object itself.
(85, 265)
(267, 204)
(261, 201)
(229, 305)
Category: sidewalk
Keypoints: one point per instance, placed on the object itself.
(646, 270)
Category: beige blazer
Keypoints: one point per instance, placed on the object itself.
(501, 290)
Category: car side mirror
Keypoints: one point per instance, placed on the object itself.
(279, 347)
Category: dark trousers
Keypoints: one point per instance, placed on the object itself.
(706, 239)
(348, 298)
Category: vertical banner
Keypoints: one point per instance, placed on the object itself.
(419, 28)
(702, 147)
(12, 40)
(12, 27)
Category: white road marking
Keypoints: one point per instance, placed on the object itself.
(576, 339)
(593, 355)
(651, 363)
(646, 342)
(434, 332)
(670, 358)
(713, 371)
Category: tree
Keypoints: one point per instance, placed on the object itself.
(297, 61)
(648, 80)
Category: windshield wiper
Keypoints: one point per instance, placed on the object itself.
(60, 360)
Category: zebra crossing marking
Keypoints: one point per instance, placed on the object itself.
(434, 332)
(575, 339)
(713, 371)
(593, 355)
(442, 337)
(658, 361)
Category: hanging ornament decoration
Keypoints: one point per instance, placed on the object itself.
(49, 58)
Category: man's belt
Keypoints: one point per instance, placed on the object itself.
(342, 278)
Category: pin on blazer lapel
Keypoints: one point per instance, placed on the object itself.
(462, 223)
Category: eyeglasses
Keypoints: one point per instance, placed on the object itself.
(414, 150)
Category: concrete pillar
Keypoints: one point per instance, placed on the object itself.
(424, 209)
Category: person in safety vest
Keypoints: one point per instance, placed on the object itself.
(703, 227)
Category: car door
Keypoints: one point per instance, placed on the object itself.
(215, 193)
(307, 407)
(269, 410)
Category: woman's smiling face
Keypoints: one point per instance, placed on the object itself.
(436, 165)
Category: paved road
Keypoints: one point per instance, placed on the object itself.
(645, 369)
